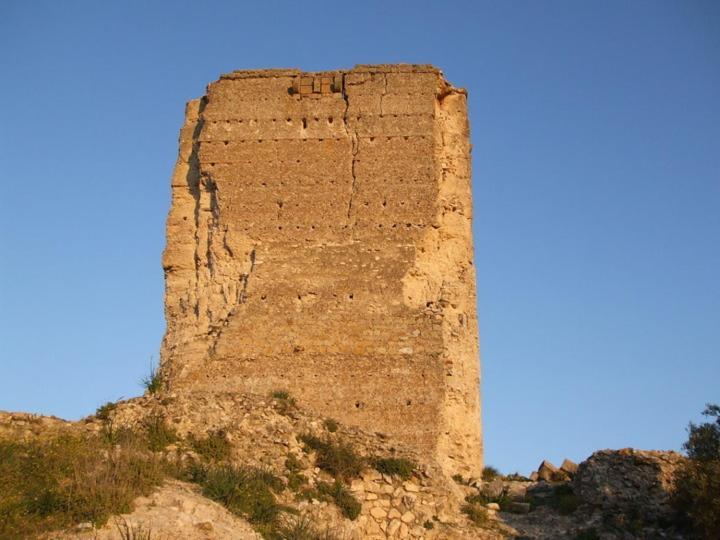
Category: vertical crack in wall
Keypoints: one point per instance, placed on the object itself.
(355, 146)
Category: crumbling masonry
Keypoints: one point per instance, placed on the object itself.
(319, 241)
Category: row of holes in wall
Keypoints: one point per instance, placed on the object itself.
(282, 96)
(320, 182)
(305, 121)
(320, 227)
(370, 138)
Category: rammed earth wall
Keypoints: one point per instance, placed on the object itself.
(319, 241)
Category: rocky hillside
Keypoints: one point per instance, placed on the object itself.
(248, 466)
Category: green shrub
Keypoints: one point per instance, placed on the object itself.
(280, 394)
(400, 467)
(152, 382)
(477, 514)
(104, 412)
(292, 463)
(300, 528)
(296, 481)
(336, 493)
(458, 479)
(331, 425)
(337, 459)
(697, 484)
(284, 402)
(244, 491)
(158, 433)
(213, 447)
(490, 473)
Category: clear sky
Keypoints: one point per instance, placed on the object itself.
(596, 155)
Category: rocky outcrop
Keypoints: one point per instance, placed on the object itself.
(629, 481)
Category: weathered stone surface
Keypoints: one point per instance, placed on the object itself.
(319, 241)
(628, 480)
(493, 489)
(569, 467)
(518, 507)
(547, 471)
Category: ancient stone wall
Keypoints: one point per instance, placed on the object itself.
(319, 241)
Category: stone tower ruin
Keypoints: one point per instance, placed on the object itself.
(319, 242)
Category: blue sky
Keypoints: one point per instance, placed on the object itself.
(596, 156)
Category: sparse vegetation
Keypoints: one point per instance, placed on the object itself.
(54, 483)
(400, 467)
(490, 473)
(244, 491)
(697, 485)
(159, 434)
(284, 402)
(516, 476)
(458, 479)
(482, 500)
(132, 531)
(280, 394)
(331, 425)
(477, 514)
(336, 459)
(152, 382)
(292, 463)
(300, 528)
(215, 446)
(337, 493)
(104, 412)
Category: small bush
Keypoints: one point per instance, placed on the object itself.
(284, 402)
(152, 382)
(458, 479)
(480, 499)
(477, 514)
(300, 529)
(214, 447)
(104, 412)
(296, 481)
(400, 467)
(337, 459)
(158, 433)
(429, 525)
(292, 463)
(337, 493)
(243, 491)
(331, 425)
(490, 473)
(697, 484)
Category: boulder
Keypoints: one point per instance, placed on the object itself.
(493, 489)
(569, 467)
(547, 471)
(629, 481)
